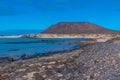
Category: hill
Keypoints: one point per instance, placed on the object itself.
(77, 28)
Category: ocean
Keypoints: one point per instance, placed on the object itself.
(15, 47)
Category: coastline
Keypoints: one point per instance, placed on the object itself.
(99, 37)
(88, 61)
(26, 57)
(96, 59)
(92, 38)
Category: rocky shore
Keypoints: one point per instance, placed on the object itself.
(95, 61)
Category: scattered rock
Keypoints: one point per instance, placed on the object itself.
(96, 61)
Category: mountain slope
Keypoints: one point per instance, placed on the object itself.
(76, 28)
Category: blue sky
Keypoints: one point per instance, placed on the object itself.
(40, 14)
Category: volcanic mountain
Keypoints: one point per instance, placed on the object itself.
(77, 28)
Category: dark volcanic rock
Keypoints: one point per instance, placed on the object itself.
(77, 28)
(115, 40)
(103, 60)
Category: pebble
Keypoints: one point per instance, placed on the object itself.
(96, 61)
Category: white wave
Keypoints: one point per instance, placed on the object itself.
(11, 36)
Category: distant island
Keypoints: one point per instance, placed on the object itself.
(76, 30)
(62, 29)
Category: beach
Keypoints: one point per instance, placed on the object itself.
(59, 39)
(93, 61)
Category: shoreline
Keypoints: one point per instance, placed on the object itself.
(99, 37)
(92, 38)
(40, 55)
(47, 56)
(92, 61)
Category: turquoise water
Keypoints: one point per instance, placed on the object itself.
(10, 47)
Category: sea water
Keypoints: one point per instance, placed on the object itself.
(30, 46)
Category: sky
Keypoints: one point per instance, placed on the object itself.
(40, 14)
